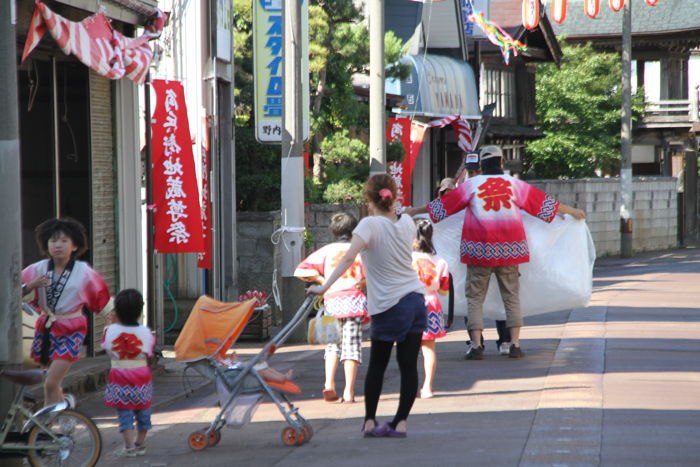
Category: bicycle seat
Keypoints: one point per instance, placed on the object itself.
(23, 377)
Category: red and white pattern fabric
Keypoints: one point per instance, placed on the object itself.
(129, 387)
(432, 271)
(344, 298)
(84, 288)
(493, 233)
(95, 43)
(462, 129)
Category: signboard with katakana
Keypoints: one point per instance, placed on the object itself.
(268, 79)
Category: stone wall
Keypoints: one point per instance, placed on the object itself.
(654, 218)
(654, 223)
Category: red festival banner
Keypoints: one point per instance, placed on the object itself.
(176, 215)
(411, 135)
(204, 259)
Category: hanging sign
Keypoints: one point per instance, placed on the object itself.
(176, 215)
(591, 7)
(204, 258)
(267, 72)
(558, 11)
(531, 13)
(616, 5)
(411, 135)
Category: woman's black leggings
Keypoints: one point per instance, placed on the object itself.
(407, 358)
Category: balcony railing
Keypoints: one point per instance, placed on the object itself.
(672, 113)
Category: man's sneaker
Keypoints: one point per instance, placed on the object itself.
(504, 348)
(474, 353)
(125, 452)
(515, 352)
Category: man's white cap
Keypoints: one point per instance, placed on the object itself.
(488, 152)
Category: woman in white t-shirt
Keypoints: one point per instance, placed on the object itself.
(394, 300)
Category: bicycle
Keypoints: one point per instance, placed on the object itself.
(53, 436)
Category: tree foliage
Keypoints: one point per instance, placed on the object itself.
(338, 49)
(578, 109)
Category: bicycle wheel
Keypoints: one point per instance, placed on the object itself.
(79, 442)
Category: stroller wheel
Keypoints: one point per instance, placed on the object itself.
(291, 437)
(308, 432)
(197, 440)
(214, 437)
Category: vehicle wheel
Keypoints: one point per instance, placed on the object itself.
(308, 432)
(79, 441)
(290, 436)
(197, 441)
(214, 437)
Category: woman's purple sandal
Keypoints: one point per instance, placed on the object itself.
(385, 431)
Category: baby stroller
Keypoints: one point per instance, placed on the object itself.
(210, 330)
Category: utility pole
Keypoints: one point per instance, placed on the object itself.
(292, 238)
(626, 135)
(377, 117)
(10, 208)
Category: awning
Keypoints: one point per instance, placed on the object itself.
(437, 87)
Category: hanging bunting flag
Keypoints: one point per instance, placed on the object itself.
(616, 5)
(95, 43)
(531, 13)
(497, 36)
(558, 11)
(651, 2)
(591, 7)
(177, 215)
(463, 131)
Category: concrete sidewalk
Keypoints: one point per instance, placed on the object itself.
(616, 383)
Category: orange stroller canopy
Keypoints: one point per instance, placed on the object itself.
(212, 328)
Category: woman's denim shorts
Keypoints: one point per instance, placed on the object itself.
(408, 316)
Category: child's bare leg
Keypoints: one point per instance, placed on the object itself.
(350, 367)
(331, 367)
(53, 390)
(128, 436)
(141, 437)
(271, 374)
(430, 364)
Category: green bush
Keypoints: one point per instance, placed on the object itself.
(343, 191)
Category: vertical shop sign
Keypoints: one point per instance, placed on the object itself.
(176, 216)
(267, 57)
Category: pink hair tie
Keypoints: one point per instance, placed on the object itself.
(385, 193)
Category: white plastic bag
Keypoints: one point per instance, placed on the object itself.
(559, 275)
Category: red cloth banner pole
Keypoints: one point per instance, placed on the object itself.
(400, 128)
(177, 215)
(204, 259)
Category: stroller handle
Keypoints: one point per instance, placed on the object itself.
(279, 338)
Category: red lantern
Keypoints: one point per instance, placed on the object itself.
(616, 5)
(531, 13)
(559, 11)
(591, 7)
(651, 2)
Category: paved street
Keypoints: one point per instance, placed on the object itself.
(616, 383)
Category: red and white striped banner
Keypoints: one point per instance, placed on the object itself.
(558, 11)
(463, 130)
(95, 43)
